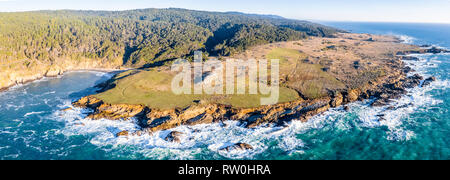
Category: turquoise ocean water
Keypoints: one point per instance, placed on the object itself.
(32, 125)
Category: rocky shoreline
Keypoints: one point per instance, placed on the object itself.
(383, 90)
(38, 77)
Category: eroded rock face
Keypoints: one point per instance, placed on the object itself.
(237, 146)
(88, 102)
(352, 95)
(108, 111)
(54, 71)
(337, 100)
(118, 112)
(22, 74)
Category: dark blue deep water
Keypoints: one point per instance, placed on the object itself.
(33, 125)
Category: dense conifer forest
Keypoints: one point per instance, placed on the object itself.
(138, 37)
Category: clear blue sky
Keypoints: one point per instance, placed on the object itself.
(437, 11)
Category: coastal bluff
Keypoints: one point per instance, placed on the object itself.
(339, 71)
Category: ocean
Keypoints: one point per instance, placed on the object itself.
(33, 124)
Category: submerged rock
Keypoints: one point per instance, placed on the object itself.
(435, 50)
(237, 146)
(409, 58)
(67, 109)
(346, 108)
(428, 81)
(122, 133)
(173, 136)
(380, 102)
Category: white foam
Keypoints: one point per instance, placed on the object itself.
(32, 113)
(48, 93)
(15, 107)
(96, 73)
(406, 39)
(193, 141)
(416, 98)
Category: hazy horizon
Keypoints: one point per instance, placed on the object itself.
(406, 11)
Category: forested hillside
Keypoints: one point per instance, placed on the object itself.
(138, 37)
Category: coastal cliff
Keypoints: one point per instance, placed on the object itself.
(17, 73)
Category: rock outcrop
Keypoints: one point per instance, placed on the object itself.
(428, 81)
(156, 120)
(337, 100)
(173, 136)
(16, 73)
(122, 133)
(88, 102)
(237, 146)
(432, 50)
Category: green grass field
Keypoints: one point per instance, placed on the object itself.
(153, 89)
(308, 79)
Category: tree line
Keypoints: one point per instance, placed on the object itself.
(140, 37)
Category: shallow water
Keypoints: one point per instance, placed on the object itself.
(32, 125)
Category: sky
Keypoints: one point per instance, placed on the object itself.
(426, 11)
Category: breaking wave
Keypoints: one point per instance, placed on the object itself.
(406, 39)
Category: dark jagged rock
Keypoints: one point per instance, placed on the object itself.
(435, 50)
(428, 81)
(346, 108)
(237, 146)
(370, 40)
(88, 102)
(395, 90)
(412, 81)
(337, 100)
(380, 102)
(391, 108)
(409, 58)
(408, 69)
(173, 136)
